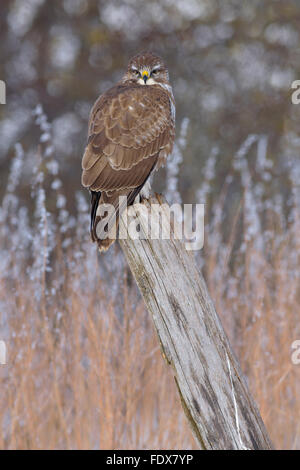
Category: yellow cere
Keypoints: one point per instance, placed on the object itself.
(145, 72)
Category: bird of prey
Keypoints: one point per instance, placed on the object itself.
(131, 133)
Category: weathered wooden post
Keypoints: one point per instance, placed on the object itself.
(213, 393)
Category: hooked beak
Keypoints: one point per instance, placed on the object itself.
(145, 76)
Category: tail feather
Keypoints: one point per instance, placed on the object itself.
(105, 235)
(94, 206)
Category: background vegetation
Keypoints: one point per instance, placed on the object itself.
(84, 367)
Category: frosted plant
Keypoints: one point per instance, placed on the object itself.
(240, 162)
(172, 193)
(10, 200)
(40, 249)
(263, 164)
(45, 138)
(9, 215)
(208, 176)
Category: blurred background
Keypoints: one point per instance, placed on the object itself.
(231, 64)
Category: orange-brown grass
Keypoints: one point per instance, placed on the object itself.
(84, 369)
(92, 378)
(259, 309)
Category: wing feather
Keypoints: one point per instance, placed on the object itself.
(129, 126)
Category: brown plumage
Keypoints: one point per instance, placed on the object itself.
(131, 133)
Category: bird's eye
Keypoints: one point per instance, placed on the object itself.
(154, 72)
(136, 72)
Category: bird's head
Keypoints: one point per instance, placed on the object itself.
(147, 68)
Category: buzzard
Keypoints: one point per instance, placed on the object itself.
(131, 133)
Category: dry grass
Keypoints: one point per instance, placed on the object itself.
(94, 378)
(256, 293)
(84, 367)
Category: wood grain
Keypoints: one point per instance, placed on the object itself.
(213, 392)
